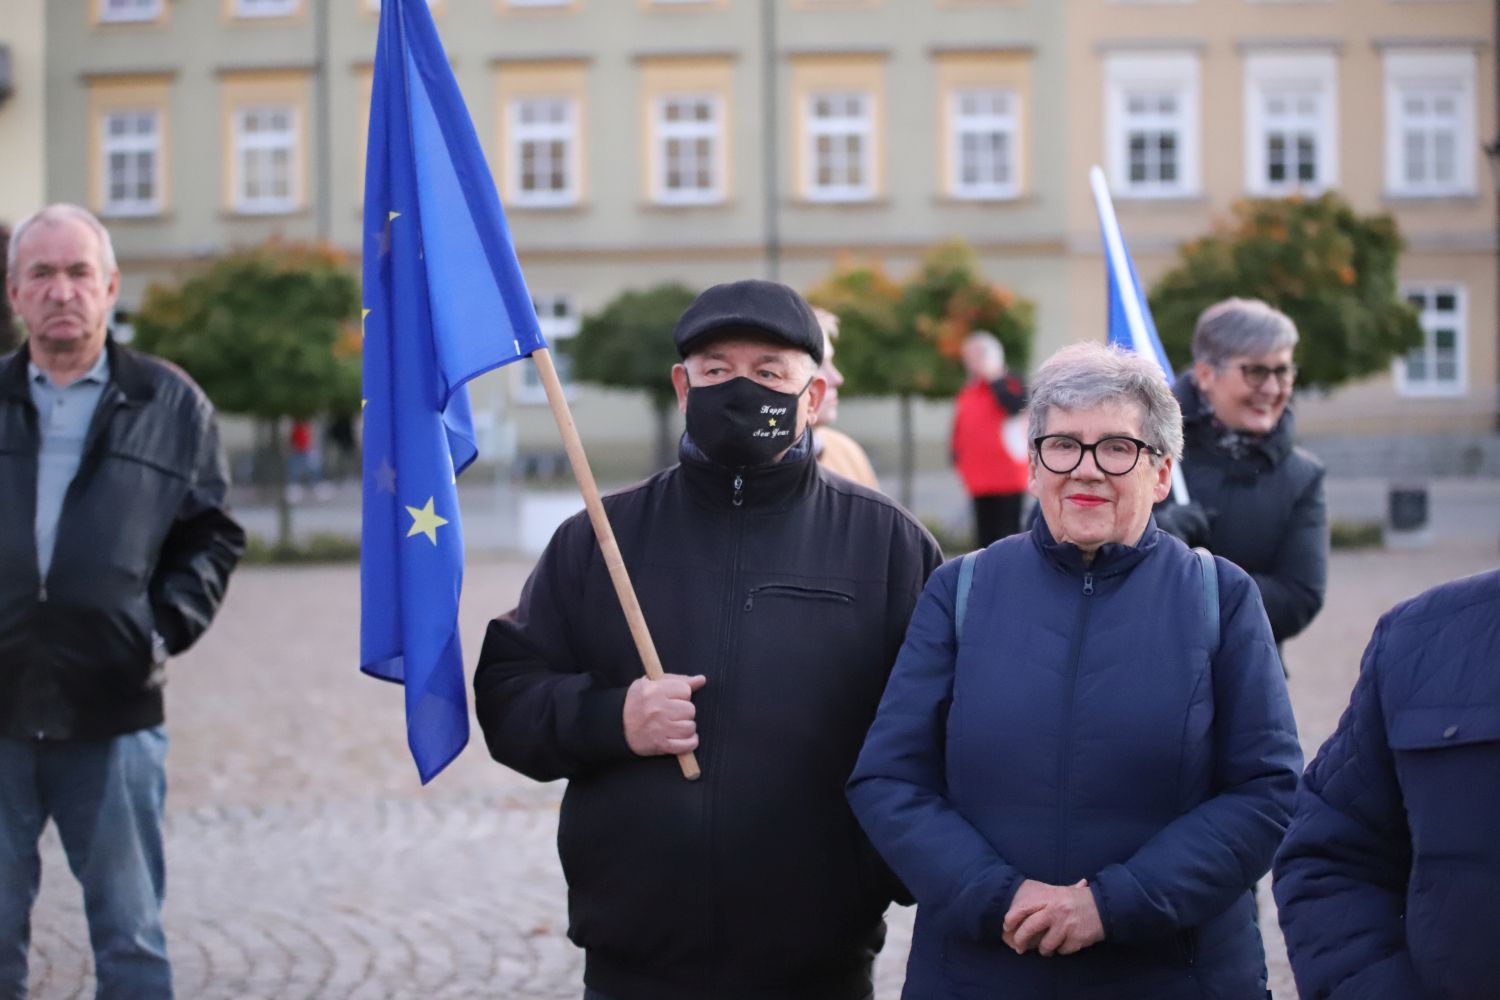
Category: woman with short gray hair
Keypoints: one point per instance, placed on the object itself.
(1257, 499)
(1085, 756)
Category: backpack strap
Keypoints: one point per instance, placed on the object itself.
(1210, 597)
(961, 599)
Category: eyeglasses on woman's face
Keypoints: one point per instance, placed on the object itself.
(1256, 375)
(1115, 456)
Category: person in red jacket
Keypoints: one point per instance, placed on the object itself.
(989, 439)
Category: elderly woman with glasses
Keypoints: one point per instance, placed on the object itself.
(1085, 756)
(1256, 498)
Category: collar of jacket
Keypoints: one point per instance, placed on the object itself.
(1198, 424)
(126, 372)
(764, 488)
(1111, 559)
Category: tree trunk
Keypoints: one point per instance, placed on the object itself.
(279, 485)
(665, 446)
(908, 452)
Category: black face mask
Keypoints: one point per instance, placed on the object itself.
(741, 423)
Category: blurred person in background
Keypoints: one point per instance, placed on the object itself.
(837, 452)
(990, 461)
(1256, 498)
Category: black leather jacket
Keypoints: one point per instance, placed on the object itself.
(145, 544)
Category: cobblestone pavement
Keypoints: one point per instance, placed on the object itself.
(306, 863)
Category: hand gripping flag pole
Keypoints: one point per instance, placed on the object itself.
(439, 276)
(608, 547)
(1130, 323)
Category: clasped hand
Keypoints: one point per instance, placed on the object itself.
(659, 715)
(1053, 919)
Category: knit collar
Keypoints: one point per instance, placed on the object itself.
(761, 488)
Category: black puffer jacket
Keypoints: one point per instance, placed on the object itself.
(144, 543)
(791, 594)
(1265, 508)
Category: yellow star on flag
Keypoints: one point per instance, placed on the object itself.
(425, 522)
(363, 315)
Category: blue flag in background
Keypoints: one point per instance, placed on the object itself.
(1130, 322)
(444, 301)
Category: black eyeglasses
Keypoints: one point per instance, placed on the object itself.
(1115, 456)
(1256, 375)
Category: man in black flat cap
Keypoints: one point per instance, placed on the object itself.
(778, 597)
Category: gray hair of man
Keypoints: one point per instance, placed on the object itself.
(62, 212)
(986, 343)
(1083, 376)
(1239, 328)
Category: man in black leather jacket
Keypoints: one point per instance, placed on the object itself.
(115, 549)
(778, 596)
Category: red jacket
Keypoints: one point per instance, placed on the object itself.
(978, 444)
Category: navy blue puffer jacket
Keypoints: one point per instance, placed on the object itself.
(1082, 728)
(1389, 881)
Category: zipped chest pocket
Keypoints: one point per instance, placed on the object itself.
(782, 591)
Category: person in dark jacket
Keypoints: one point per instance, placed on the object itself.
(1388, 882)
(1256, 498)
(1081, 774)
(777, 595)
(115, 550)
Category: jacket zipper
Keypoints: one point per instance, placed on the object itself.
(726, 646)
(1064, 762)
(810, 593)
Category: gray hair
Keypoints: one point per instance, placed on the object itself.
(1083, 376)
(994, 351)
(1241, 328)
(51, 215)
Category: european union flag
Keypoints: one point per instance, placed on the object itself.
(444, 301)
(1130, 322)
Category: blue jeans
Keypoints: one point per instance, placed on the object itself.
(106, 797)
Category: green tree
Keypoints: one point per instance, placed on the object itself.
(9, 336)
(271, 332)
(628, 345)
(905, 340)
(1332, 271)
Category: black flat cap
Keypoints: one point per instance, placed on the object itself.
(751, 306)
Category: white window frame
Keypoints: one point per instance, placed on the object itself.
(122, 11)
(1430, 71)
(859, 126)
(264, 8)
(1432, 320)
(543, 133)
(557, 315)
(1177, 73)
(130, 147)
(665, 133)
(269, 142)
(1291, 76)
(1004, 124)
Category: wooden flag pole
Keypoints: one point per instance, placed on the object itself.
(603, 532)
